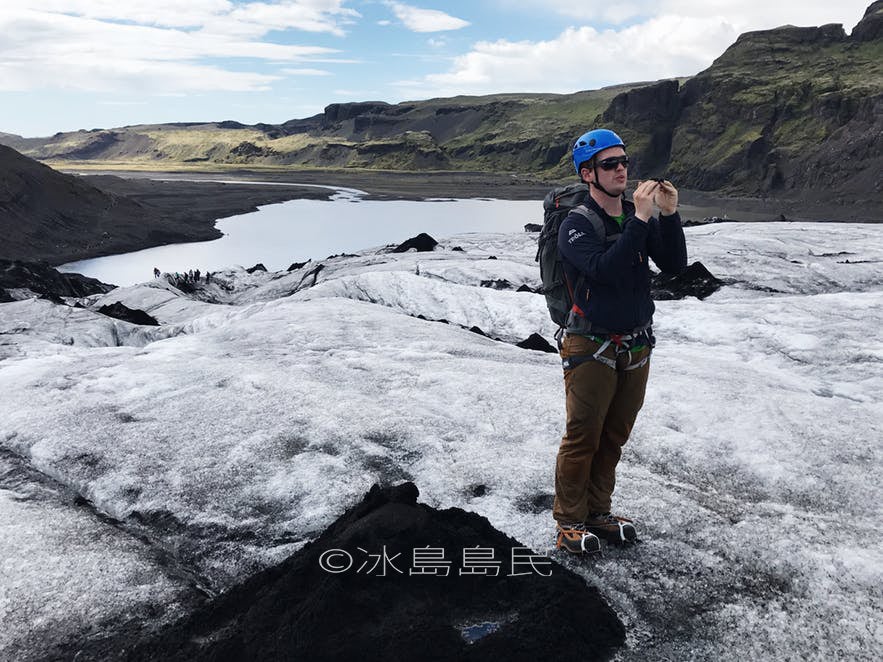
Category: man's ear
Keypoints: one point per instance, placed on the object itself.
(586, 175)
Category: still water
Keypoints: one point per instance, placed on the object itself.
(299, 230)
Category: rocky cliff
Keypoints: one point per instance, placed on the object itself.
(781, 112)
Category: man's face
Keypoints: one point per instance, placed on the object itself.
(614, 181)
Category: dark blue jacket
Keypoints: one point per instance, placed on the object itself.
(611, 280)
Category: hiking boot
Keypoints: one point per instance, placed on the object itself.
(612, 528)
(576, 539)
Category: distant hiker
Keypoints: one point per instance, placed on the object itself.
(155, 272)
(208, 277)
(196, 275)
(604, 244)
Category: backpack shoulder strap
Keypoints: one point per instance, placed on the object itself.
(592, 217)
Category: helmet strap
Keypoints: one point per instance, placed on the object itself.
(601, 188)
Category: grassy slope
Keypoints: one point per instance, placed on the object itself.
(506, 125)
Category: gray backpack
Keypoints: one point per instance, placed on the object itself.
(558, 203)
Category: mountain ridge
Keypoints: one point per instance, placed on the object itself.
(772, 112)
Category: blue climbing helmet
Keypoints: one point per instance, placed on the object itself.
(592, 142)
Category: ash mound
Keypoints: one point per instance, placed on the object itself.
(394, 579)
(47, 215)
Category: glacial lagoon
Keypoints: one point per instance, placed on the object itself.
(299, 230)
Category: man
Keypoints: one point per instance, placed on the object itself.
(608, 339)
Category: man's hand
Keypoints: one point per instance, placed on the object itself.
(644, 196)
(666, 198)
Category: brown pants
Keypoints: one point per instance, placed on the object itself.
(602, 405)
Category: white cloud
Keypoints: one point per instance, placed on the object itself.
(679, 43)
(50, 49)
(167, 13)
(306, 72)
(743, 16)
(258, 18)
(334, 60)
(116, 75)
(581, 58)
(615, 13)
(749, 15)
(425, 20)
(221, 16)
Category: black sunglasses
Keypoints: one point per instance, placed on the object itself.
(613, 161)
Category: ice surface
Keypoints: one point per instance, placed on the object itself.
(800, 258)
(65, 573)
(265, 405)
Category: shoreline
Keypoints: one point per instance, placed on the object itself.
(377, 185)
(401, 185)
(195, 200)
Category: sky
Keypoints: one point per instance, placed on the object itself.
(82, 64)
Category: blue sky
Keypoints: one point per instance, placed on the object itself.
(72, 64)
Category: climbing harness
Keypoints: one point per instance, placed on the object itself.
(622, 343)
